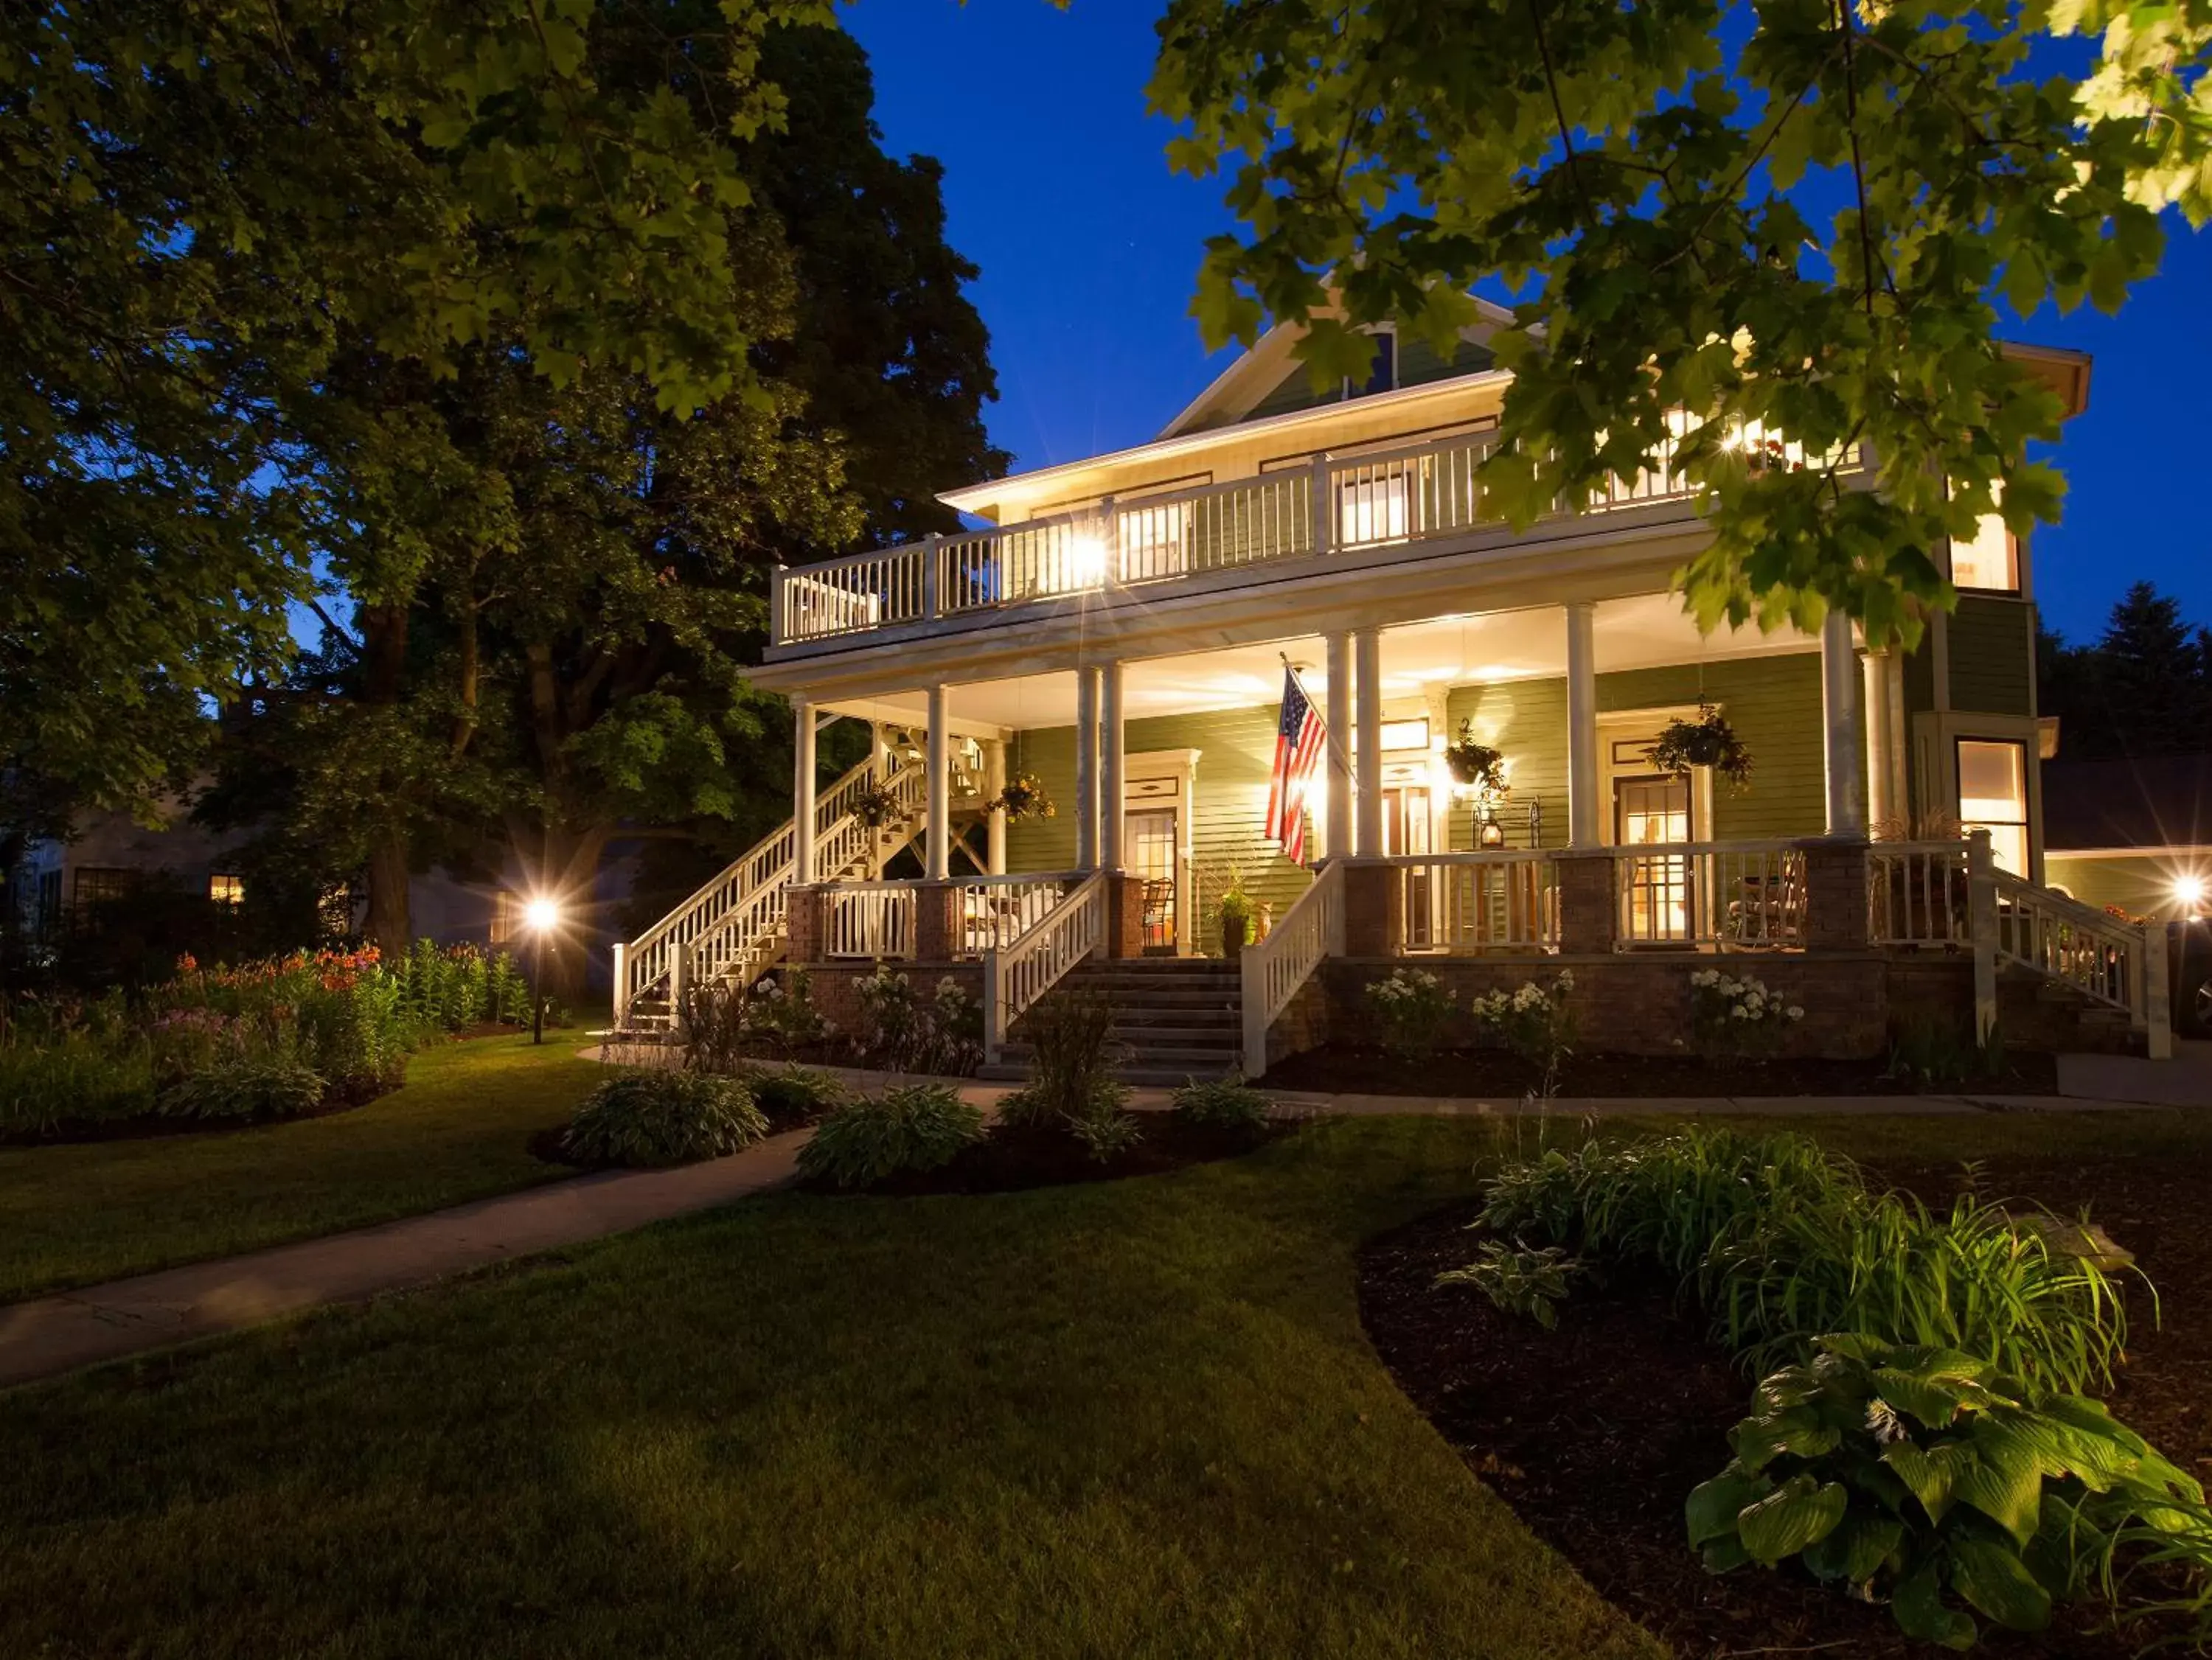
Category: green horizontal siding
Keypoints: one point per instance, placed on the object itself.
(1236, 748)
(1992, 672)
(1773, 702)
(1419, 363)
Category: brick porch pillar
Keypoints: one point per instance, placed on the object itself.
(937, 930)
(1835, 893)
(1372, 924)
(1125, 915)
(1589, 907)
(803, 922)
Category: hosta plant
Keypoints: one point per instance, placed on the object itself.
(649, 1119)
(792, 1094)
(919, 1127)
(1221, 1104)
(1930, 1479)
(1529, 1282)
(268, 1085)
(1106, 1136)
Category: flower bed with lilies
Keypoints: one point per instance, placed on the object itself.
(233, 1043)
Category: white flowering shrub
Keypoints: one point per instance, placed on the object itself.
(1411, 1009)
(781, 1014)
(1532, 1021)
(905, 1031)
(1737, 1014)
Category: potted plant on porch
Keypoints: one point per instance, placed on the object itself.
(1236, 912)
(1024, 797)
(1475, 764)
(876, 805)
(1708, 741)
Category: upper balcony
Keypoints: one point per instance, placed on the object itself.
(1254, 529)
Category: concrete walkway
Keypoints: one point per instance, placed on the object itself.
(59, 1334)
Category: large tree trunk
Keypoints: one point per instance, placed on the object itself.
(389, 924)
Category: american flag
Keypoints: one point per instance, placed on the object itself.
(1298, 739)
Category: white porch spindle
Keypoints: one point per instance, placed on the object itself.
(802, 790)
(1367, 668)
(1582, 815)
(1840, 714)
(1086, 768)
(938, 775)
(1337, 762)
(1113, 770)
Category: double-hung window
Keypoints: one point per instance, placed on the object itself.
(1993, 797)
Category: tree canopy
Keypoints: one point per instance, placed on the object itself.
(1728, 228)
(211, 205)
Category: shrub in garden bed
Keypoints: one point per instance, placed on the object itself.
(1221, 1104)
(652, 1119)
(790, 1095)
(919, 1128)
(1072, 1084)
(269, 1084)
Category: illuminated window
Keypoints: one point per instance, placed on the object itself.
(1993, 797)
(227, 890)
(1406, 734)
(103, 885)
(1990, 561)
(1371, 510)
(505, 917)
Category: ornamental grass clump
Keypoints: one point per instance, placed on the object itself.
(1782, 1243)
(1073, 1053)
(652, 1119)
(919, 1127)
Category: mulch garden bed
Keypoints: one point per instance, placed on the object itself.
(1596, 1433)
(1494, 1073)
(1009, 1159)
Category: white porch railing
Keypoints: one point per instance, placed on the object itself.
(1366, 500)
(1018, 973)
(995, 911)
(2067, 941)
(1917, 893)
(1497, 900)
(1275, 968)
(1727, 894)
(868, 920)
(722, 920)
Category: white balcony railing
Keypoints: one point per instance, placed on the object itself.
(1335, 503)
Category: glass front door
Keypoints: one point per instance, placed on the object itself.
(1149, 838)
(1655, 812)
(1406, 832)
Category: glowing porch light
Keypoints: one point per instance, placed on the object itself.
(2189, 894)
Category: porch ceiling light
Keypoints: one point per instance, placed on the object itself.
(1087, 560)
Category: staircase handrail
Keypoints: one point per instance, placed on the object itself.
(1272, 969)
(1019, 971)
(2112, 972)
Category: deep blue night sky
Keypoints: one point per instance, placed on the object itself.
(1056, 186)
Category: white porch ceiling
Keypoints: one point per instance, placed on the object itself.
(1649, 631)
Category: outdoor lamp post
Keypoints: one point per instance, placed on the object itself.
(539, 916)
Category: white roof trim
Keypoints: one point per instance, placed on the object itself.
(973, 498)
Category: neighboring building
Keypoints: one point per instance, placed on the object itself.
(1120, 631)
(57, 884)
(2131, 834)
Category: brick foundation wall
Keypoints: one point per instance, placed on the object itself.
(1630, 1004)
(1308, 1023)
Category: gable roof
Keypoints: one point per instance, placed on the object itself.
(2160, 801)
(1240, 387)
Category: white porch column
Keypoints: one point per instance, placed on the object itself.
(1086, 768)
(1839, 713)
(802, 790)
(994, 781)
(1582, 806)
(1885, 802)
(1336, 762)
(1367, 670)
(1113, 769)
(938, 776)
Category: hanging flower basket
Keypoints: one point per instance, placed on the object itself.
(1708, 741)
(876, 806)
(1476, 764)
(1024, 797)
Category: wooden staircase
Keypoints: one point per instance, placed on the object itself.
(1175, 1018)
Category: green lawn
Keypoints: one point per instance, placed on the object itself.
(73, 1215)
(1137, 1418)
